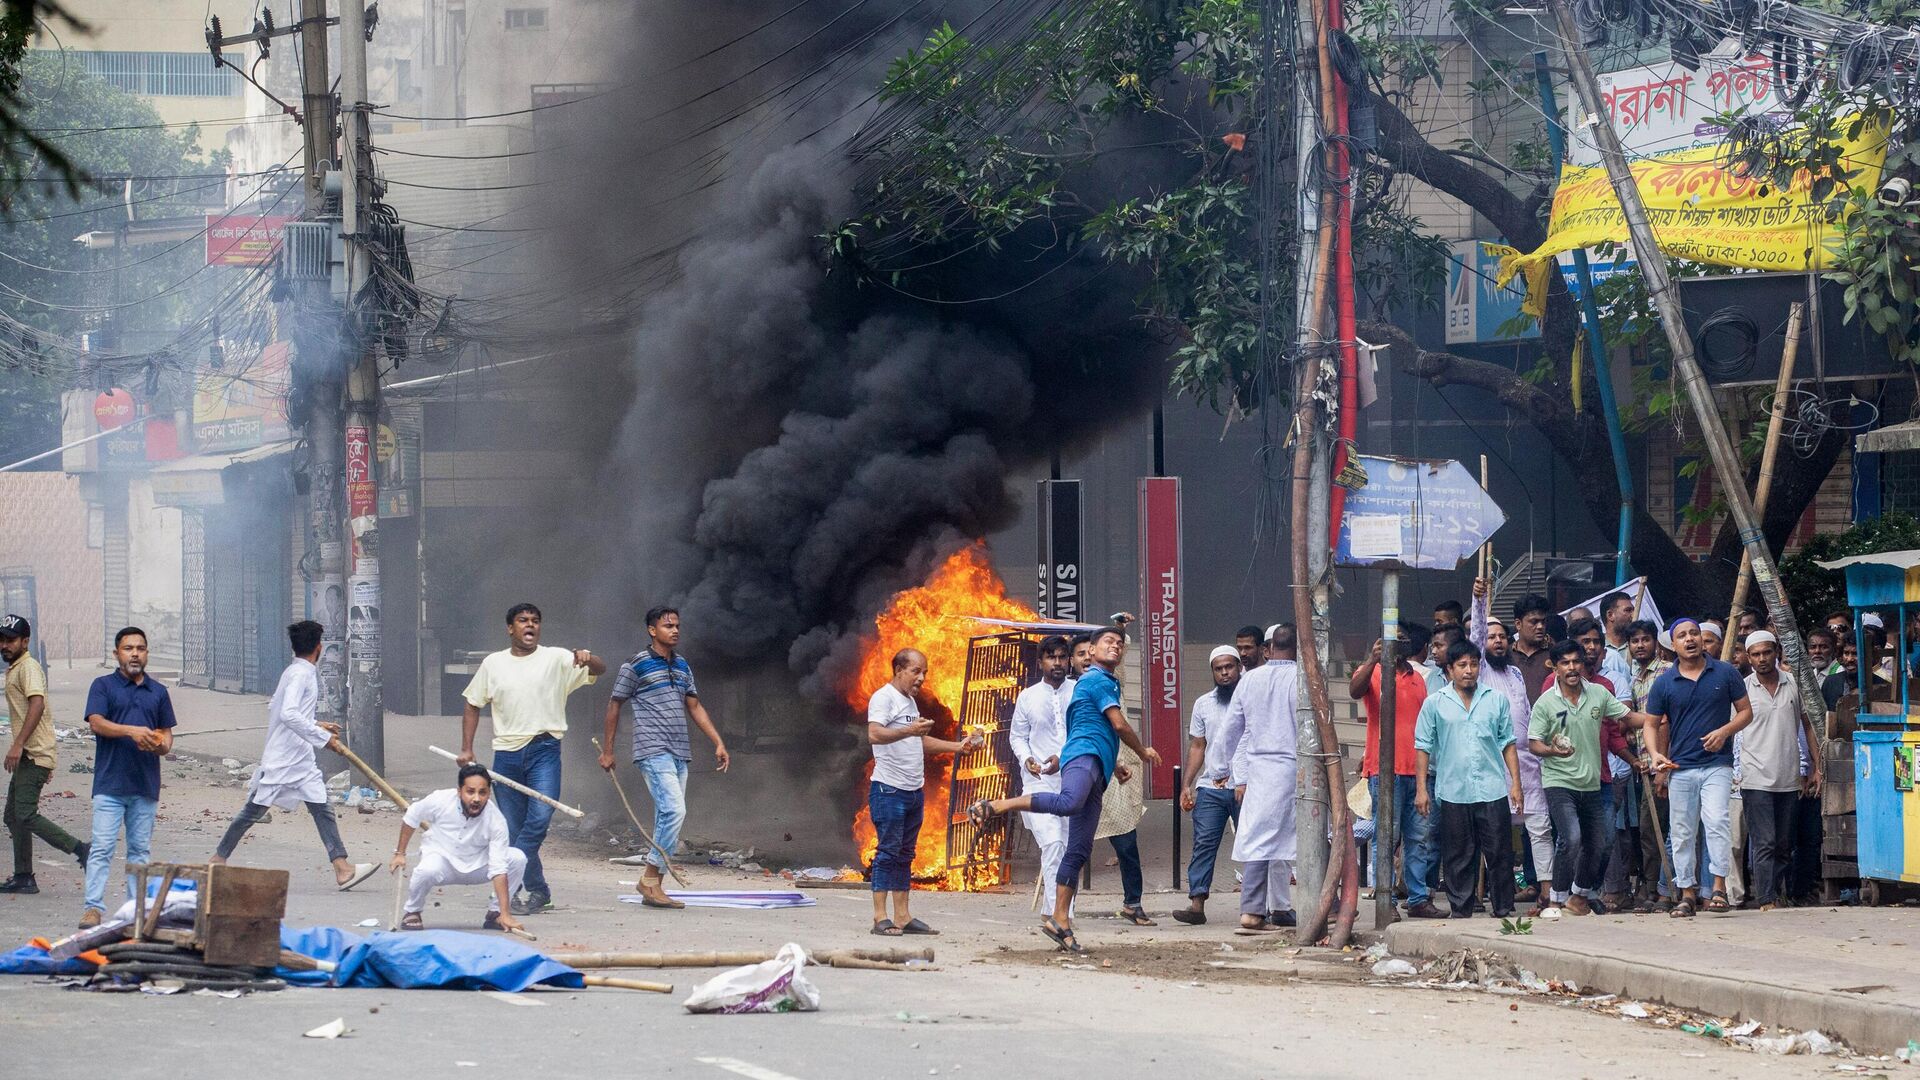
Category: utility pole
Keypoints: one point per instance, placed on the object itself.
(365, 710)
(1653, 267)
(1386, 821)
(316, 332)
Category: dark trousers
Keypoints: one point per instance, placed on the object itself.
(1580, 834)
(1213, 807)
(1808, 834)
(1769, 817)
(253, 814)
(897, 814)
(1082, 783)
(1126, 848)
(24, 820)
(537, 765)
(1473, 834)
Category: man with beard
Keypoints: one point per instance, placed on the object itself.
(1260, 725)
(1498, 672)
(30, 757)
(1465, 736)
(1770, 752)
(131, 717)
(1823, 652)
(1247, 642)
(1208, 795)
(1038, 732)
(1616, 613)
(465, 844)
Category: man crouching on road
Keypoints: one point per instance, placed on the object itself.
(466, 844)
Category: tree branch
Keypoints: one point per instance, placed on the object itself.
(1402, 144)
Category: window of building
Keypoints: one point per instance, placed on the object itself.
(161, 74)
(526, 18)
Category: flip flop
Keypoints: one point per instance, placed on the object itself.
(361, 872)
(412, 921)
(885, 928)
(915, 926)
(1255, 931)
(1717, 903)
(1682, 910)
(1136, 916)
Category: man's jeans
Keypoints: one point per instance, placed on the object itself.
(1213, 807)
(1580, 839)
(1133, 880)
(667, 783)
(1419, 848)
(110, 813)
(537, 765)
(1697, 800)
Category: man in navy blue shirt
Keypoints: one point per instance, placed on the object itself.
(1693, 710)
(132, 722)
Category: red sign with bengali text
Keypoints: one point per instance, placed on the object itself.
(113, 409)
(360, 483)
(1161, 619)
(244, 239)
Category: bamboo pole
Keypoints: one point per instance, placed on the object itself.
(825, 957)
(627, 984)
(379, 782)
(1486, 547)
(1764, 487)
(518, 786)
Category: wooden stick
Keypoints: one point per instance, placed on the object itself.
(1775, 420)
(728, 959)
(1486, 548)
(399, 898)
(520, 933)
(627, 984)
(665, 856)
(301, 962)
(873, 965)
(517, 786)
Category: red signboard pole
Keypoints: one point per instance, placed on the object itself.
(1161, 620)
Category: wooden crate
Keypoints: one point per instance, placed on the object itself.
(240, 915)
(1841, 836)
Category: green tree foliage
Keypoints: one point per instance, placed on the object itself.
(1816, 592)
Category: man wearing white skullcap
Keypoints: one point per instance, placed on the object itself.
(1208, 795)
(1770, 765)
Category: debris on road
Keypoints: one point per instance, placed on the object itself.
(779, 985)
(332, 1029)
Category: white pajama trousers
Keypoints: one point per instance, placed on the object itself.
(434, 871)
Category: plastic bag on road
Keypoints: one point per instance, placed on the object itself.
(773, 986)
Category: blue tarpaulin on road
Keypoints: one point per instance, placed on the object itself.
(422, 959)
(33, 960)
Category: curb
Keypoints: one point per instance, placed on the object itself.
(1865, 1025)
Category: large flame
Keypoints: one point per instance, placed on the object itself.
(935, 618)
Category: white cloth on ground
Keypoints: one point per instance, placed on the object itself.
(1260, 728)
(288, 775)
(470, 845)
(1038, 731)
(434, 871)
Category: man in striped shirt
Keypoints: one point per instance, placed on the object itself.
(660, 688)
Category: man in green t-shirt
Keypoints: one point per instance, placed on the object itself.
(1565, 732)
(29, 757)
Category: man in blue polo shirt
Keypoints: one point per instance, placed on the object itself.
(132, 722)
(1693, 710)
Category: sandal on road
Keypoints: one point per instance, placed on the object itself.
(885, 928)
(915, 926)
(1136, 916)
(1056, 933)
(412, 921)
(1682, 910)
(1717, 903)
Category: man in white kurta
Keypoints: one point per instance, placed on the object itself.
(1260, 726)
(465, 844)
(288, 775)
(1038, 732)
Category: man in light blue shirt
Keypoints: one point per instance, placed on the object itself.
(1464, 735)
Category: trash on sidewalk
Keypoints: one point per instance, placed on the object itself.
(1483, 969)
(1393, 966)
(1805, 1042)
(332, 1029)
(778, 985)
(1635, 1010)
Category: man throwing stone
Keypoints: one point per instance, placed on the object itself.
(527, 685)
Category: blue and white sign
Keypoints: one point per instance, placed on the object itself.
(1417, 515)
(1477, 308)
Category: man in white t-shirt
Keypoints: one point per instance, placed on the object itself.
(901, 744)
(465, 844)
(527, 686)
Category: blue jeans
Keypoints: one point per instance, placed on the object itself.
(1082, 783)
(1126, 851)
(897, 814)
(110, 814)
(1698, 800)
(1212, 808)
(667, 782)
(1419, 849)
(536, 765)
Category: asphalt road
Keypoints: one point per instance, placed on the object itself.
(1173, 999)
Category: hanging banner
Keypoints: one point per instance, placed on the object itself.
(1060, 594)
(1161, 618)
(1701, 211)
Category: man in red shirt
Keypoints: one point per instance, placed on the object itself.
(1415, 830)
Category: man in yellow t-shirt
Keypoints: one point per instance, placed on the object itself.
(526, 685)
(29, 757)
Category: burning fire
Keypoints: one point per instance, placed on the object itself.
(935, 618)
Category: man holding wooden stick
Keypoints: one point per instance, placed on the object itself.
(465, 844)
(664, 699)
(527, 686)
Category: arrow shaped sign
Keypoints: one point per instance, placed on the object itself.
(1416, 515)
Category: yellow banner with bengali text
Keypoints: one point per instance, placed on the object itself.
(1702, 211)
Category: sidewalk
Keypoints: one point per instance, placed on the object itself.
(1850, 972)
